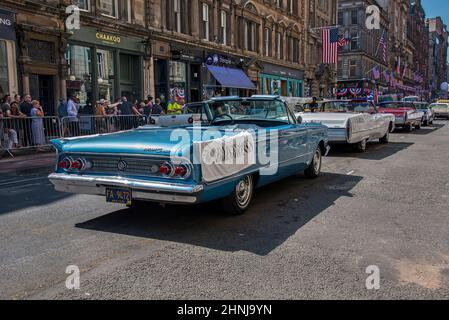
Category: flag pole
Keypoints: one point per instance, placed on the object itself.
(378, 45)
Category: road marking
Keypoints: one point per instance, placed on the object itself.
(20, 181)
(350, 172)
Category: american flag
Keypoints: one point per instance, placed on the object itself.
(330, 45)
(383, 44)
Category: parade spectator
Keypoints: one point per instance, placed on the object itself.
(18, 99)
(149, 106)
(157, 108)
(26, 106)
(173, 107)
(37, 124)
(62, 108)
(125, 107)
(72, 112)
(6, 105)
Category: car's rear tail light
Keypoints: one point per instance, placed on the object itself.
(165, 169)
(64, 164)
(76, 165)
(181, 171)
(348, 131)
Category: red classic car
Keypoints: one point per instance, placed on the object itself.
(406, 114)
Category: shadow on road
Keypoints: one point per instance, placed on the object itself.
(375, 151)
(429, 129)
(279, 211)
(22, 192)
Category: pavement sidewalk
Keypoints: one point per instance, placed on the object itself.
(34, 162)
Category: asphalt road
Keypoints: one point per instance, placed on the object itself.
(301, 239)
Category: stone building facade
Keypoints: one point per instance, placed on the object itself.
(438, 45)
(362, 53)
(320, 78)
(195, 41)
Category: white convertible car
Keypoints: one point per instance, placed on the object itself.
(354, 122)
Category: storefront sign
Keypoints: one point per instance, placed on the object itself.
(218, 59)
(282, 71)
(7, 31)
(108, 38)
(88, 35)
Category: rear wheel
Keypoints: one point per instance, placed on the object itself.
(239, 200)
(314, 169)
(386, 138)
(361, 146)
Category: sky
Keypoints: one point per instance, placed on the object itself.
(436, 8)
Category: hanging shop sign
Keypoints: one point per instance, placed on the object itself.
(7, 20)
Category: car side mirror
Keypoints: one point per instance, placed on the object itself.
(299, 119)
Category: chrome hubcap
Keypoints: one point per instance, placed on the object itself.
(243, 191)
(317, 161)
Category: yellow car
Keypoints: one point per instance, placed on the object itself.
(441, 109)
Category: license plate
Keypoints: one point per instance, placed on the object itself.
(117, 195)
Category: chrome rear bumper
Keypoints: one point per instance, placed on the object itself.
(141, 190)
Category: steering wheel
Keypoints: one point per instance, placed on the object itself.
(222, 115)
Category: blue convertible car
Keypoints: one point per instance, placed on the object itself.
(234, 146)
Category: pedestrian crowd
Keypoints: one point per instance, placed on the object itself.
(23, 122)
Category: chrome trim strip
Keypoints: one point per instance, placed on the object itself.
(61, 179)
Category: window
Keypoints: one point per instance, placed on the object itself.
(354, 17)
(177, 11)
(267, 42)
(279, 3)
(293, 49)
(109, 7)
(105, 73)
(290, 6)
(127, 11)
(205, 22)
(352, 68)
(354, 41)
(82, 4)
(250, 36)
(224, 27)
(79, 60)
(340, 19)
(279, 45)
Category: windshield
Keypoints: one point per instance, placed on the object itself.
(439, 105)
(348, 106)
(421, 105)
(257, 110)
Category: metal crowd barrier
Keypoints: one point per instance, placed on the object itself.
(23, 133)
(88, 125)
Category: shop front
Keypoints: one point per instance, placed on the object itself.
(283, 81)
(224, 76)
(177, 72)
(8, 61)
(104, 65)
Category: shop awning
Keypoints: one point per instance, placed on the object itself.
(231, 77)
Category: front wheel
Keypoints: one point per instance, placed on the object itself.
(239, 200)
(314, 169)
